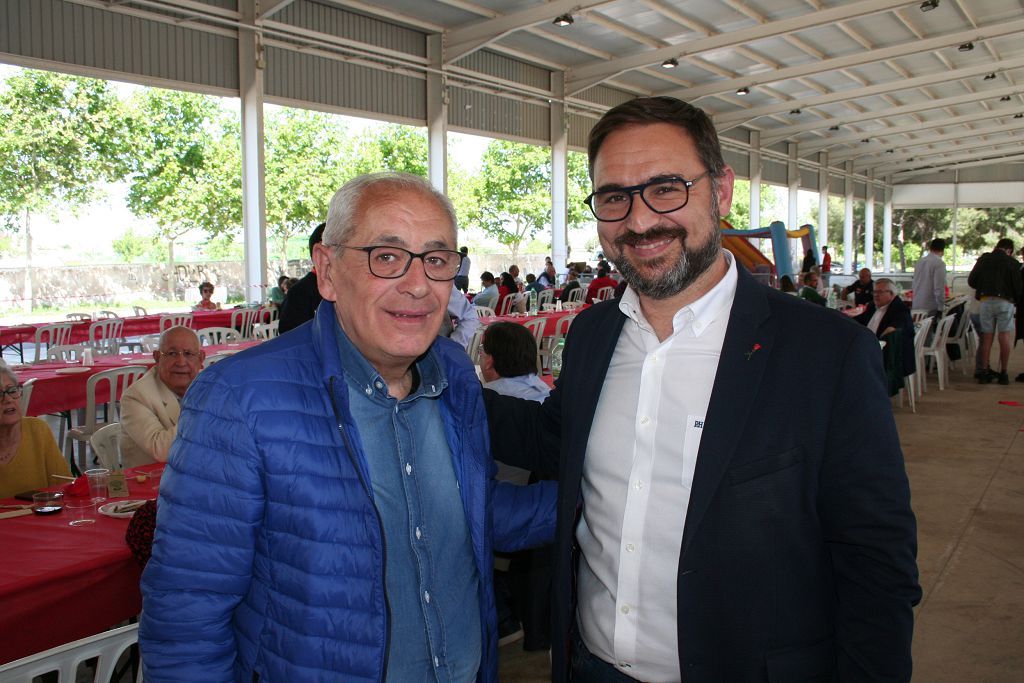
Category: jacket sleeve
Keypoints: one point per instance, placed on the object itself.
(868, 527)
(142, 425)
(525, 433)
(524, 516)
(211, 503)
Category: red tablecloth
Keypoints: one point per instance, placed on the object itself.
(59, 583)
(134, 326)
(549, 327)
(55, 391)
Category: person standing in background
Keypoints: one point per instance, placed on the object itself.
(303, 298)
(930, 280)
(462, 279)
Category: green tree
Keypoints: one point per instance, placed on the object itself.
(391, 147)
(187, 170)
(307, 160)
(59, 136)
(917, 227)
(130, 246)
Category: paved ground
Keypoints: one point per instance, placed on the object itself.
(965, 457)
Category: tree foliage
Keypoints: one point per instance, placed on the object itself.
(391, 147)
(130, 246)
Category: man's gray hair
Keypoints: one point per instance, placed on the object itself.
(165, 333)
(889, 283)
(346, 203)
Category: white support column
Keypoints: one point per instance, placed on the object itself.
(956, 210)
(793, 182)
(848, 222)
(869, 222)
(822, 198)
(887, 229)
(559, 173)
(437, 117)
(755, 181)
(254, 218)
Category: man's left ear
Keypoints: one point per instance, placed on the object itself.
(725, 184)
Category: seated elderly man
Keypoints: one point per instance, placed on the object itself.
(886, 314)
(861, 288)
(150, 407)
(488, 296)
(508, 362)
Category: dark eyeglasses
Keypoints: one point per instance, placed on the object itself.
(13, 392)
(175, 355)
(664, 194)
(390, 263)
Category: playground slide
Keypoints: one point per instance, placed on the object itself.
(745, 253)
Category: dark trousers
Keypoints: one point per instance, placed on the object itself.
(461, 282)
(586, 668)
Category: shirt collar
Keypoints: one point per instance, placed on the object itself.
(695, 318)
(365, 379)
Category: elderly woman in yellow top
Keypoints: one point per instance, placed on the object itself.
(28, 452)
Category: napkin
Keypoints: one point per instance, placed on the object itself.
(79, 487)
(14, 513)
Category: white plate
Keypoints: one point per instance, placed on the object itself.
(72, 371)
(108, 509)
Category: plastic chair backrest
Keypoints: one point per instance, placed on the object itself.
(26, 394)
(266, 330)
(175, 320)
(213, 358)
(921, 334)
(117, 380)
(267, 314)
(106, 444)
(65, 660)
(139, 310)
(474, 345)
(66, 353)
(79, 317)
(576, 295)
(484, 312)
(562, 328)
(242, 319)
(104, 315)
(546, 297)
(52, 335)
(209, 336)
(941, 333)
(105, 335)
(604, 293)
(505, 307)
(536, 328)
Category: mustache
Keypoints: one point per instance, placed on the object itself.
(632, 239)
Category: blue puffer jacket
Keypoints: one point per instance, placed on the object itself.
(268, 557)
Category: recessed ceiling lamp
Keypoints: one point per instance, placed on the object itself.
(743, 91)
(670, 63)
(890, 151)
(1004, 98)
(990, 77)
(910, 159)
(966, 47)
(1018, 116)
(929, 5)
(865, 140)
(794, 112)
(833, 127)
(563, 20)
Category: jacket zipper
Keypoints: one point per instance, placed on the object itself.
(380, 526)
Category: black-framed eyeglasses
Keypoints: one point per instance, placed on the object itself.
(189, 356)
(389, 263)
(13, 392)
(663, 194)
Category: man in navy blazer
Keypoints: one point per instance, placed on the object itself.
(706, 531)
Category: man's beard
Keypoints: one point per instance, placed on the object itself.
(691, 263)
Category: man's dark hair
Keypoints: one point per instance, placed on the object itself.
(937, 244)
(464, 250)
(530, 277)
(646, 110)
(487, 276)
(281, 280)
(602, 272)
(205, 285)
(316, 237)
(808, 276)
(512, 347)
(1005, 243)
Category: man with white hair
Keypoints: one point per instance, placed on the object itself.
(150, 407)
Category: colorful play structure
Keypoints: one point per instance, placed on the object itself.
(738, 242)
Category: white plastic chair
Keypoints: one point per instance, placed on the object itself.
(561, 329)
(242, 319)
(175, 320)
(79, 317)
(149, 342)
(576, 295)
(117, 380)
(918, 314)
(65, 660)
(546, 296)
(105, 315)
(505, 307)
(920, 335)
(536, 328)
(210, 336)
(267, 314)
(214, 358)
(484, 312)
(266, 331)
(474, 345)
(26, 394)
(51, 335)
(937, 350)
(604, 293)
(105, 335)
(66, 353)
(106, 444)
(961, 338)
(139, 310)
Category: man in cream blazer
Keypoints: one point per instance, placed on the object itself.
(150, 407)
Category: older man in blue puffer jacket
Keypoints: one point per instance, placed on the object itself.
(328, 509)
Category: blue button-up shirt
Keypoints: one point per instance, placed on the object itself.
(431, 579)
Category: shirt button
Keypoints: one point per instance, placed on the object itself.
(625, 609)
(418, 533)
(369, 391)
(644, 420)
(426, 596)
(638, 485)
(378, 384)
(408, 468)
(630, 547)
(437, 662)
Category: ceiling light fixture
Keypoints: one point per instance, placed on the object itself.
(563, 20)
(890, 151)
(929, 5)
(794, 111)
(966, 47)
(1018, 116)
(865, 140)
(833, 127)
(1004, 98)
(670, 63)
(990, 77)
(743, 91)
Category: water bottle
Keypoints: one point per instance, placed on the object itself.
(533, 302)
(87, 356)
(556, 358)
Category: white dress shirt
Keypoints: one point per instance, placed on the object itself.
(467, 321)
(637, 477)
(876, 319)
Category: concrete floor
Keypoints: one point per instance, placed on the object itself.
(965, 458)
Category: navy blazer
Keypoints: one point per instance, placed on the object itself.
(798, 556)
(897, 316)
